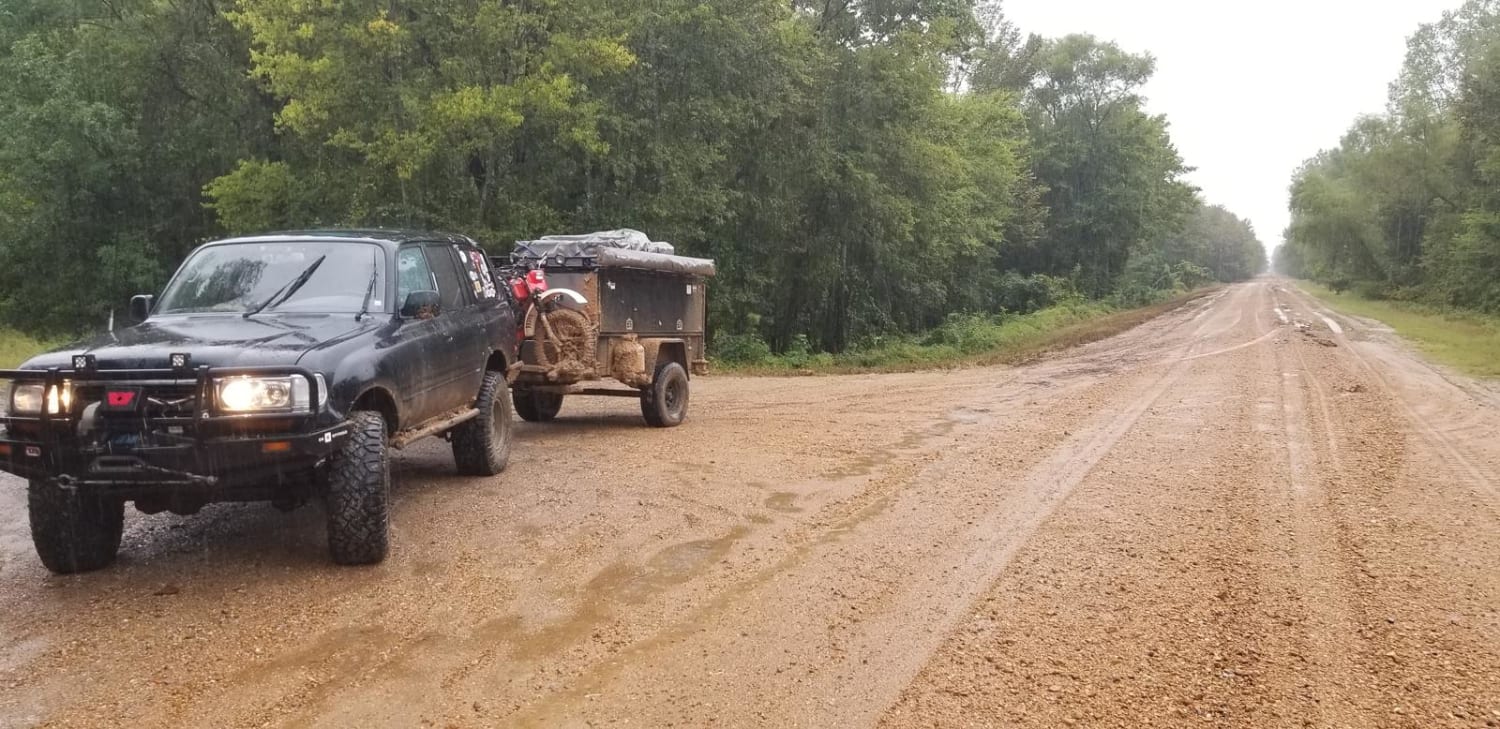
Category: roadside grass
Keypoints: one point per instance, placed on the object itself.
(1465, 341)
(971, 341)
(16, 348)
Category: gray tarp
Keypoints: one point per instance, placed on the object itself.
(624, 258)
(585, 245)
(615, 248)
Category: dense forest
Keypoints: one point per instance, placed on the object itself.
(1408, 205)
(858, 167)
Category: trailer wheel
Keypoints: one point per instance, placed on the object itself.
(536, 407)
(359, 493)
(73, 532)
(664, 404)
(481, 447)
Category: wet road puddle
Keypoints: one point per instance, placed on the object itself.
(342, 651)
(633, 584)
(784, 502)
(620, 584)
(19, 654)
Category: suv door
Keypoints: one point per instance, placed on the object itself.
(466, 348)
(419, 342)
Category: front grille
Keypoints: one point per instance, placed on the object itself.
(165, 400)
(174, 401)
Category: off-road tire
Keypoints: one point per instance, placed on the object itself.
(73, 532)
(576, 340)
(664, 403)
(536, 407)
(481, 447)
(359, 493)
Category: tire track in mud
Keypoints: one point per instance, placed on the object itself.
(1481, 478)
(1323, 589)
(1159, 595)
(910, 622)
(1417, 546)
(504, 650)
(624, 588)
(1046, 489)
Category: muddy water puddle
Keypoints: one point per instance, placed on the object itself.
(784, 502)
(622, 584)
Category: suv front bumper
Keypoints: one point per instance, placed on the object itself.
(200, 450)
(225, 462)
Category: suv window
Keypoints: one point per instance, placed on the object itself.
(450, 283)
(412, 274)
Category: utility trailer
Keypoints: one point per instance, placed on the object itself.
(607, 306)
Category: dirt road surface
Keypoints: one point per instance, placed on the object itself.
(1250, 512)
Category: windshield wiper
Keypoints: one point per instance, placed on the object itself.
(369, 292)
(290, 288)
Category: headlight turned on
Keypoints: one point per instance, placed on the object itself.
(26, 398)
(290, 394)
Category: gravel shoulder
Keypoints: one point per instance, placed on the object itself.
(1215, 517)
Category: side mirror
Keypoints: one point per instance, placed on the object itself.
(140, 306)
(421, 305)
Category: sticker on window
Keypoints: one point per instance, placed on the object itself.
(484, 283)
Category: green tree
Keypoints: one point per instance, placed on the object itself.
(1404, 203)
(1111, 176)
(114, 117)
(1219, 242)
(446, 114)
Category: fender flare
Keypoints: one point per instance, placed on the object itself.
(570, 293)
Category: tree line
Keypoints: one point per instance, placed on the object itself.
(858, 167)
(1408, 205)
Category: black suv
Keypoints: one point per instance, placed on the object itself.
(273, 368)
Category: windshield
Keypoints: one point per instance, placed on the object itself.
(240, 277)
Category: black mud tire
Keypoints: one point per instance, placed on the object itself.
(536, 407)
(73, 532)
(664, 404)
(481, 447)
(358, 496)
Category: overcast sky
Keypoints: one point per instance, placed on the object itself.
(1251, 89)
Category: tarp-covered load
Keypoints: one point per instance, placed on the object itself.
(625, 258)
(622, 248)
(587, 245)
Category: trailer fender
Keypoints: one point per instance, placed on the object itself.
(570, 293)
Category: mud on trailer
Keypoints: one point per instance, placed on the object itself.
(606, 307)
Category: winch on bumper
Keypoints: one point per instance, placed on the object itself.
(142, 433)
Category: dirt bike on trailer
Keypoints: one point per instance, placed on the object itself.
(606, 306)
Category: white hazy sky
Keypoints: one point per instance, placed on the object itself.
(1251, 89)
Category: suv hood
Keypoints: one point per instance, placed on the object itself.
(216, 340)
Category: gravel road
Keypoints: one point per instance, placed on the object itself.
(1250, 511)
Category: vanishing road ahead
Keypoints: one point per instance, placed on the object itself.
(1247, 512)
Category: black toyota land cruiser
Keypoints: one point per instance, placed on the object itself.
(272, 368)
